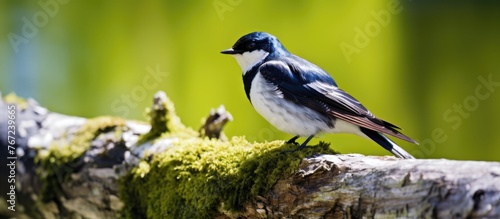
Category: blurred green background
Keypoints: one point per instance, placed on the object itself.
(431, 67)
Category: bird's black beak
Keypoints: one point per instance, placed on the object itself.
(229, 51)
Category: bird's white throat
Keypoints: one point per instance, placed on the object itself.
(249, 59)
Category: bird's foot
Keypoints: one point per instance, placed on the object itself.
(302, 146)
(292, 140)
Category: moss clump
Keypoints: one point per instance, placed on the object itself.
(163, 119)
(62, 157)
(197, 177)
(12, 98)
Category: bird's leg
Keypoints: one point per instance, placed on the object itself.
(302, 146)
(292, 140)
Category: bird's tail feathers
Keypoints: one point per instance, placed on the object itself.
(386, 143)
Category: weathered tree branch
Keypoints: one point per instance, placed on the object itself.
(355, 186)
(108, 167)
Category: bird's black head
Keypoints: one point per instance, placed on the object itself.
(255, 41)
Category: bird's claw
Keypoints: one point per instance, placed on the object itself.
(292, 141)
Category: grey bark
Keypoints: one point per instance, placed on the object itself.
(356, 186)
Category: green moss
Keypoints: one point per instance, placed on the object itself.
(196, 177)
(62, 156)
(163, 119)
(12, 98)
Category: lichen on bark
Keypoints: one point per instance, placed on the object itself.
(65, 153)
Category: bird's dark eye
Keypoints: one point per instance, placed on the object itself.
(251, 45)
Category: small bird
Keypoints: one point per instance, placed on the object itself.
(300, 98)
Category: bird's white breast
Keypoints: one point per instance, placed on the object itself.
(283, 114)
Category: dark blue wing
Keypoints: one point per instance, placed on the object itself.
(306, 84)
(300, 71)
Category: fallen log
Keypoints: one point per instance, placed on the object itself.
(108, 167)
